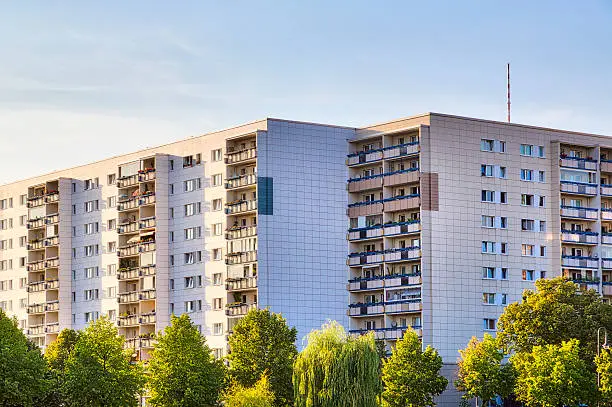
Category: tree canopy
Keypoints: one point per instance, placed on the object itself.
(337, 370)
(411, 375)
(183, 370)
(259, 395)
(262, 344)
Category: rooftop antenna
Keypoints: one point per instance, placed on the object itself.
(508, 66)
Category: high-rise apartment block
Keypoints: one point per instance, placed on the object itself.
(434, 222)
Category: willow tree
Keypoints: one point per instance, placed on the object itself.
(337, 370)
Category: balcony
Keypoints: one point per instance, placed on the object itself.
(127, 320)
(36, 287)
(606, 213)
(390, 334)
(147, 318)
(365, 309)
(52, 284)
(241, 284)
(401, 150)
(388, 255)
(52, 262)
(579, 163)
(238, 309)
(36, 309)
(147, 223)
(36, 329)
(147, 271)
(128, 204)
(396, 203)
(128, 250)
(579, 261)
(606, 263)
(574, 236)
(35, 223)
(400, 254)
(242, 156)
(397, 307)
(606, 288)
(366, 284)
(52, 219)
(241, 181)
(241, 257)
(146, 295)
(147, 343)
(388, 229)
(51, 241)
(357, 259)
(147, 246)
(606, 238)
(131, 343)
(146, 175)
(36, 265)
(581, 212)
(129, 297)
(606, 189)
(128, 181)
(403, 280)
(240, 206)
(36, 244)
(364, 157)
(52, 328)
(239, 232)
(147, 199)
(128, 273)
(606, 165)
(578, 188)
(129, 227)
(52, 196)
(35, 201)
(52, 306)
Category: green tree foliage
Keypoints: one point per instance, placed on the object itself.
(337, 370)
(56, 355)
(98, 370)
(22, 367)
(259, 395)
(411, 376)
(183, 371)
(604, 368)
(554, 313)
(482, 372)
(262, 344)
(554, 375)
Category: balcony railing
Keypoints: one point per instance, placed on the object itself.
(147, 247)
(131, 343)
(240, 284)
(128, 204)
(128, 250)
(147, 270)
(360, 309)
(147, 318)
(396, 307)
(578, 212)
(399, 150)
(605, 165)
(385, 179)
(241, 257)
(580, 188)
(35, 201)
(36, 329)
(239, 309)
(147, 343)
(36, 265)
(241, 181)
(52, 328)
(388, 229)
(128, 181)
(146, 175)
(51, 219)
(130, 227)
(51, 241)
(396, 203)
(52, 306)
(128, 274)
(579, 261)
(575, 236)
(606, 238)
(147, 223)
(606, 263)
(606, 288)
(147, 199)
(606, 189)
(236, 157)
(240, 207)
(35, 223)
(149, 294)
(36, 245)
(390, 334)
(35, 309)
(36, 287)
(239, 232)
(389, 255)
(52, 262)
(52, 284)
(127, 320)
(606, 213)
(580, 163)
(128, 297)
(52, 197)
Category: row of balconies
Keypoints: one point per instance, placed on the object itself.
(239, 232)
(387, 179)
(40, 265)
(133, 273)
(132, 320)
(241, 181)
(573, 236)
(241, 206)
(50, 328)
(146, 175)
(388, 229)
(49, 306)
(139, 343)
(135, 248)
(128, 181)
(389, 334)
(380, 282)
(579, 188)
(240, 284)
(588, 163)
(386, 307)
(39, 286)
(400, 150)
(42, 221)
(579, 261)
(135, 296)
(35, 201)
(388, 255)
(241, 257)
(239, 308)
(396, 203)
(42, 243)
(237, 157)
(136, 201)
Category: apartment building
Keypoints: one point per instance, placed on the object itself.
(434, 221)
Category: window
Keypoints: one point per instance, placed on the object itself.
(503, 248)
(74, 209)
(217, 254)
(171, 283)
(193, 257)
(217, 204)
(218, 328)
(526, 175)
(112, 247)
(503, 222)
(541, 176)
(526, 200)
(217, 279)
(192, 184)
(489, 324)
(487, 145)
(218, 353)
(502, 172)
(526, 250)
(193, 208)
(90, 272)
(217, 304)
(193, 233)
(22, 241)
(189, 306)
(110, 292)
(22, 220)
(23, 199)
(112, 314)
(488, 298)
(91, 228)
(541, 201)
(112, 224)
(112, 201)
(532, 151)
(542, 274)
(504, 299)
(542, 251)
(504, 273)
(91, 295)
(111, 179)
(91, 250)
(91, 316)
(217, 180)
(217, 155)
(486, 170)
(217, 229)
(542, 226)
(526, 149)
(189, 282)
(488, 221)
(527, 224)
(488, 272)
(488, 196)
(488, 247)
(91, 206)
(528, 275)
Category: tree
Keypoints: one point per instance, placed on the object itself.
(22, 367)
(262, 344)
(183, 370)
(337, 370)
(259, 395)
(482, 373)
(411, 376)
(56, 355)
(557, 311)
(553, 375)
(604, 368)
(98, 370)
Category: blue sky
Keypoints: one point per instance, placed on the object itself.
(81, 81)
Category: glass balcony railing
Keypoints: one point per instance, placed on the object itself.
(575, 236)
(580, 188)
(579, 163)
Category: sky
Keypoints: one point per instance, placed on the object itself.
(82, 81)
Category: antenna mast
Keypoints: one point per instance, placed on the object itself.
(508, 92)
